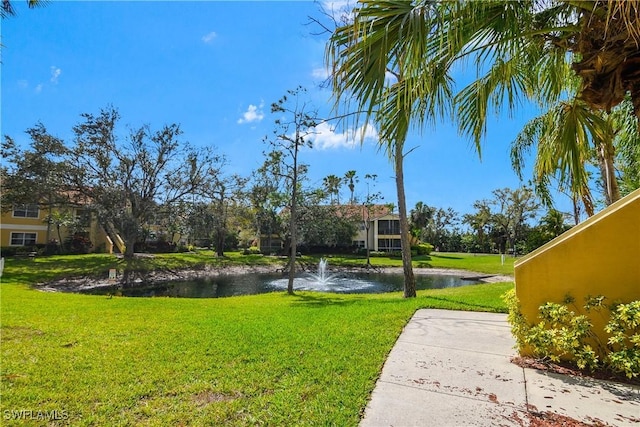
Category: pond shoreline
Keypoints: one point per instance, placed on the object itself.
(79, 284)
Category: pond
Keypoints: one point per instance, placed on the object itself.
(250, 284)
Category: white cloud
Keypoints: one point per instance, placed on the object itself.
(38, 88)
(340, 10)
(320, 73)
(324, 136)
(253, 114)
(337, 4)
(55, 73)
(208, 38)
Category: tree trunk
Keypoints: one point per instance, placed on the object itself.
(130, 242)
(606, 153)
(220, 235)
(293, 219)
(576, 210)
(409, 279)
(60, 246)
(292, 247)
(366, 243)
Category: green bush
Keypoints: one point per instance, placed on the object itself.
(22, 251)
(422, 249)
(624, 343)
(9, 251)
(378, 254)
(561, 334)
(182, 248)
(253, 250)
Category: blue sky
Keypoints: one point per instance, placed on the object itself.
(215, 68)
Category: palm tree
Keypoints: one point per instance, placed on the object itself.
(563, 136)
(567, 136)
(420, 216)
(522, 46)
(519, 48)
(332, 185)
(363, 55)
(350, 180)
(553, 223)
(627, 144)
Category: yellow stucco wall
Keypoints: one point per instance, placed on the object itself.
(11, 224)
(600, 256)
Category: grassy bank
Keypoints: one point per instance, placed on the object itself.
(481, 263)
(54, 267)
(272, 359)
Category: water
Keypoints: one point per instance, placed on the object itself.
(250, 284)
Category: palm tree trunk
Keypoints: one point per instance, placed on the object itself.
(606, 153)
(576, 210)
(409, 290)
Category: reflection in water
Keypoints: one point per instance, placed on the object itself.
(250, 284)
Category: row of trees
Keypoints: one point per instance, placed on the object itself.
(148, 179)
(506, 223)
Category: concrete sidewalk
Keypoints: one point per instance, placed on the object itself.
(452, 368)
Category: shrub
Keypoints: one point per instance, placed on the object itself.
(9, 251)
(422, 249)
(253, 250)
(78, 244)
(561, 334)
(378, 254)
(624, 327)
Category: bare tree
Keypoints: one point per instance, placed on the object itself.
(292, 132)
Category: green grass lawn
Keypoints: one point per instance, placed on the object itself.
(482, 263)
(272, 359)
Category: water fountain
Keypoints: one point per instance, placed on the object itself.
(322, 276)
(323, 281)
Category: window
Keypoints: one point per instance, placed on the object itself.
(23, 239)
(26, 211)
(389, 227)
(388, 245)
(359, 243)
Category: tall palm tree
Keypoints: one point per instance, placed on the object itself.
(563, 136)
(332, 185)
(567, 136)
(420, 216)
(519, 48)
(351, 179)
(363, 54)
